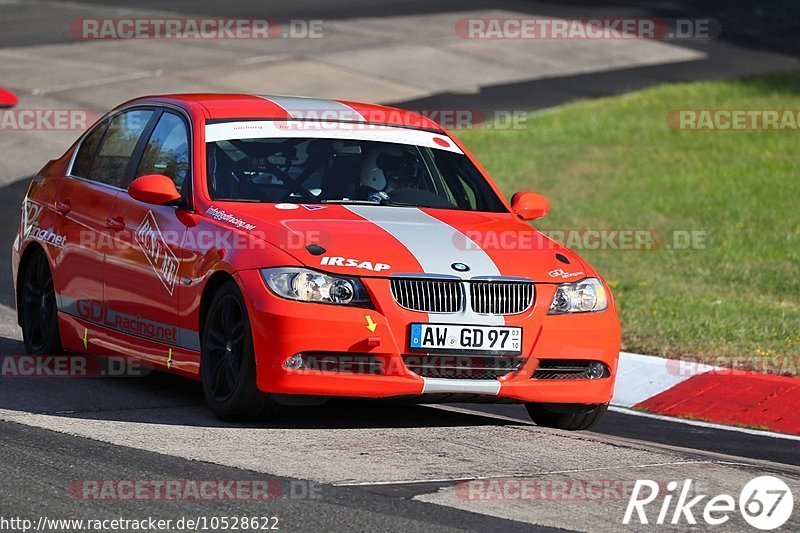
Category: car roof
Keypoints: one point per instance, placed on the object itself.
(224, 107)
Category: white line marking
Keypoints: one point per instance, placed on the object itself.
(525, 476)
(626, 411)
(462, 410)
(262, 59)
(99, 81)
(641, 377)
(116, 11)
(16, 53)
(710, 425)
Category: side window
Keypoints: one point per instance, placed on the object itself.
(167, 151)
(465, 182)
(118, 145)
(83, 160)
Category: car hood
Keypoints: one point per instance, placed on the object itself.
(379, 241)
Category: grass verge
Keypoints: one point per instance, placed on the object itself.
(614, 163)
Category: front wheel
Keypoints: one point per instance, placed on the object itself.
(569, 416)
(227, 360)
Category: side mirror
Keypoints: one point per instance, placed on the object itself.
(155, 189)
(529, 205)
(7, 99)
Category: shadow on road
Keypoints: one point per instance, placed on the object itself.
(160, 398)
(11, 346)
(10, 211)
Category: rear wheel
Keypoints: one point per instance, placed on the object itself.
(569, 416)
(38, 312)
(227, 364)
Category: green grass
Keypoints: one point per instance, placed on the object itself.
(615, 163)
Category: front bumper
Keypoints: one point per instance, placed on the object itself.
(282, 328)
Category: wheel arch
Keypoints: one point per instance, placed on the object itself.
(31, 250)
(217, 280)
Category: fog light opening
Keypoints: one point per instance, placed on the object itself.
(295, 362)
(595, 370)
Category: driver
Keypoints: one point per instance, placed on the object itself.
(398, 174)
(390, 170)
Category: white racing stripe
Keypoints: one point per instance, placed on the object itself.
(316, 109)
(286, 129)
(434, 245)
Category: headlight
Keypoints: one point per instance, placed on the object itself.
(310, 286)
(580, 297)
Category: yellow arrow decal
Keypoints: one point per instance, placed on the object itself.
(86, 338)
(169, 359)
(372, 326)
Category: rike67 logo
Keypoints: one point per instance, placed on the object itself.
(765, 503)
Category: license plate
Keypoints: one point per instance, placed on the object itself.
(460, 338)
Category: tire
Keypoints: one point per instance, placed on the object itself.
(38, 311)
(569, 416)
(227, 360)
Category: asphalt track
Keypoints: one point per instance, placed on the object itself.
(39, 465)
(379, 466)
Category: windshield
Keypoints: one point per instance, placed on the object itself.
(321, 170)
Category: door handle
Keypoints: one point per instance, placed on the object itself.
(63, 207)
(116, 223)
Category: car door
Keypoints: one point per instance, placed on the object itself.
(83, 200)
(143, 268)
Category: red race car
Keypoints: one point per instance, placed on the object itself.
(286, 249)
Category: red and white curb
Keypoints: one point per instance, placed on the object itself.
(709, 396)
